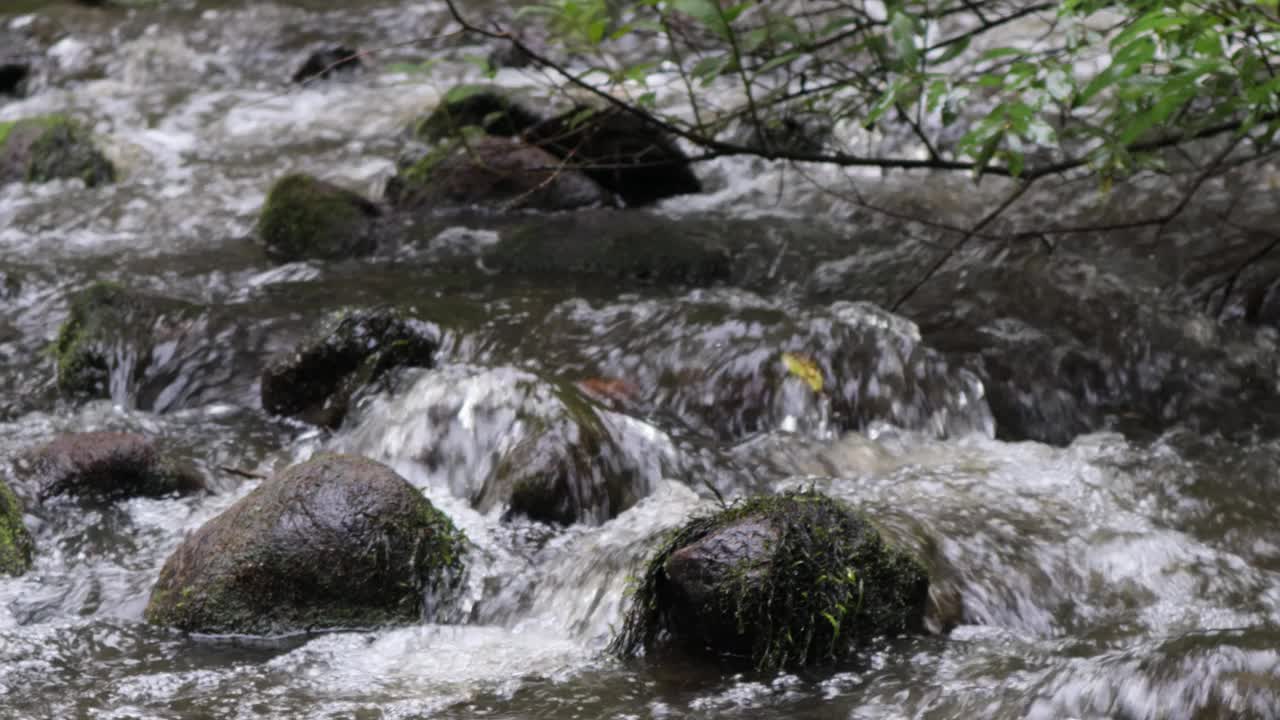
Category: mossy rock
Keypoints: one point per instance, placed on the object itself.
(335, 542)
(111, 329)
(628, 156)
(494, 172)
(351, 349)
(488, 108)
(309, 219)
(609, 244)
(50, 147)
(108, 466)
(16, 547)
(779, 582)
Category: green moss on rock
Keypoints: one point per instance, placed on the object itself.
(15, 542)
(108, 326)
(335, 542)
(50, 147)
(309, 219)
(777, 581)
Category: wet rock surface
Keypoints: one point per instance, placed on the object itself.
(490, 109)
(334, 542)
(148, 351)
(109, 466)
(623, 153)
(351, 349)
(534, 448)
(777, 582)
(493, 172)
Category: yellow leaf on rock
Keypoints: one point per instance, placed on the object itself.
(803, 368)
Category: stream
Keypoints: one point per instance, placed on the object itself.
(1102, 526)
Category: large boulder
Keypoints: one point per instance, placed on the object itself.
(15, 542)
(110, 465)
(335, 542)
(486, 108)
(501, 173)
(508, 442)
(625, 154)
(144, 350)
(309, 219)
(351, 349)
(46, 148)
(778, 581)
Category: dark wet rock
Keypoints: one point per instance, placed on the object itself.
(627, 156)
(799, 133)
(353, 348)
(609, 245)
(780, 581)
(110, 465)
(16, 547)
(309, 219)
(146, 351)
(49, 148)
(331, 61)
(532, 448)
(729, 365)
(13, 76)
(489, 109)
(493, 172)
(335, 542)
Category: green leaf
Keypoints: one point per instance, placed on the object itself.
(902, 31)
(784, 59)
(705, 12)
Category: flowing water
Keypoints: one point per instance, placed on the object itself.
(1130, 570)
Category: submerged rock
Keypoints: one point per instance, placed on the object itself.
(309, 219)
(50, 147)
(508, 441)
(147, 351)
(315, 382)
(494, 172)
(335, 542)
(110, 465)
(487, 108)
(730, 365)
(16, 547)
(608, 244)
(626, 155)
(13, 74)
(782, 582)
(327, 62)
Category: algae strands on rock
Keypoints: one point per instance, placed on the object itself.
(335, 542)
(15, 542)
(780, 581)
(110, 465)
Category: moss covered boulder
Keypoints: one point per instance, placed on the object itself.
(149, 351)
(494, 172)
(487, 108)
(50, 147)
(351, 349)
(110, 465)
(625, 154)
(309, 219)
(335, 542)
(613, 245)
(15, 542)
(778, 582)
